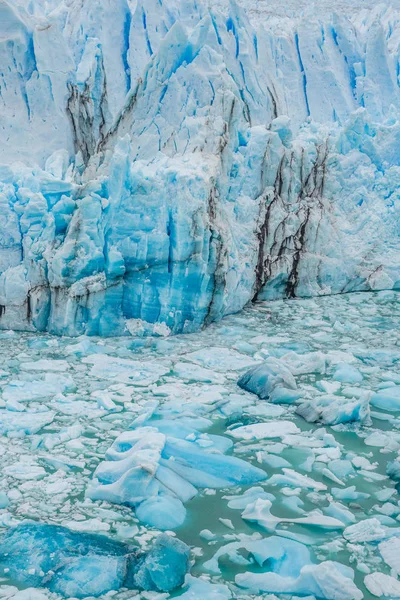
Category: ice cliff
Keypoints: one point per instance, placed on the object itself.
(163, 163)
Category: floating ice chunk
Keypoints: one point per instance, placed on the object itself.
(294, 479)
(390, 551)
(273, 461)
(262, 431)
(294, 503)
(58, 487)
(283, 556)
(329, 387)
(260, 512)
(85, 564)
(379, 439)
(66, 434)
(349, 494)
(360, 462)
(335, 357)
(4, 500)
(164, 568)
(156, 472)
(265, 378)
(192, 372)
(341, 468)
(369, 530)
(208, 535)
(163, 511)
(382, 585)
(387, 399)
(347, 374)
(251, 495)
(87, 526)
(300, 364)
(30, 551)
(340, 512)
(201, 590)
(208, 469)
(329, 475)
(105, 403)
(264, 410)
(88, 576)
(354, 392)
(55, 366)
(24, 424)
(281, 395)
(25, 471)
(70, 405)
(221, 359)
(326, 581)
(388, 509)
(393, 469)
(227, 522)
(26, 391)
(382, 356)
(124, 370)
(82, 347)
(181, 429)
(15, 406)
(332, 410)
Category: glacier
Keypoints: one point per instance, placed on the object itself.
(165, 164)
(162, 172)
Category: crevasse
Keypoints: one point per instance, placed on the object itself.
(163, 164)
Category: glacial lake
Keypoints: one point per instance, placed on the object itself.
(65, 402)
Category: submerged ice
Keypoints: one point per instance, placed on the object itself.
(161, 172)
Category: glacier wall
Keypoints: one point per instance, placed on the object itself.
(164, 163)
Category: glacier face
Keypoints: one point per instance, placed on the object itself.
(164, 163)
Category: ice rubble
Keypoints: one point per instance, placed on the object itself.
(276, 498)
(274, 380)
(80, 564)
(162, 172)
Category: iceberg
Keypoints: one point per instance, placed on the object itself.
(78, 565)
(158, 467)
(334, 410)
(272, 379)
(163, 164)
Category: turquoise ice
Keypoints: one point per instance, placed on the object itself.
(80, 564)
(160, 173)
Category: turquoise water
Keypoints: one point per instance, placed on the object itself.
(45, 473)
